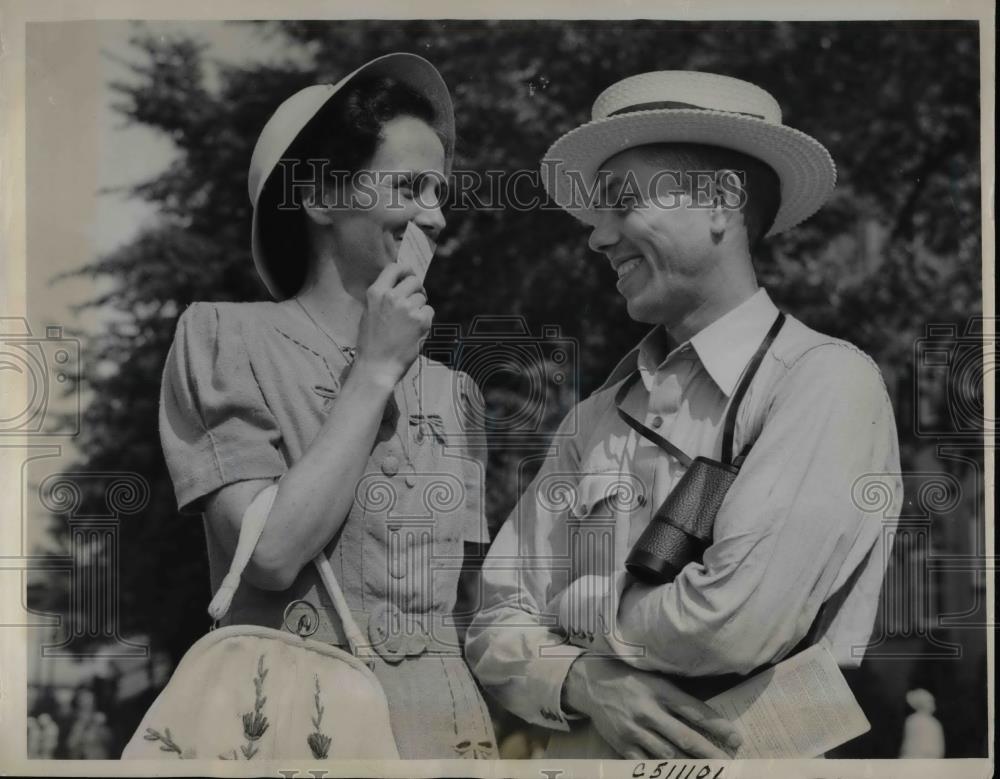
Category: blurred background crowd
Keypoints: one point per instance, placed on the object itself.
(892, 264)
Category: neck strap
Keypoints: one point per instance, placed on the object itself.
(734, 404)
(729, 427)
(641, 429)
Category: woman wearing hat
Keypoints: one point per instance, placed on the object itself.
(321, 401)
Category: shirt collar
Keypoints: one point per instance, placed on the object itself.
(724, 347)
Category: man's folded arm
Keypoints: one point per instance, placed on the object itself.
(513, 646)
(786, 537)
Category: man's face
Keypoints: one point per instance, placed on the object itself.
(660, 246)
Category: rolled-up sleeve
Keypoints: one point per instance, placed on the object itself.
(790, 532)
(513, 646)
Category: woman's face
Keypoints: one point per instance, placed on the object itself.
(401, 183)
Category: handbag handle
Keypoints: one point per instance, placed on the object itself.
(355, 638)
(254, 519)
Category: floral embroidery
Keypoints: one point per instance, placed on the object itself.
(168, 745)
(428, 423)
(481, 750)
(318, 742)
(255, 724)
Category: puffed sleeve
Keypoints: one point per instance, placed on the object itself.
(215, 427)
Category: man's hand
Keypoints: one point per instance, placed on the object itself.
(643, 715)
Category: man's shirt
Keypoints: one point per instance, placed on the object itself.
(809, 518)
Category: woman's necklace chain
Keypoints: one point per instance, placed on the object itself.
(349, 354)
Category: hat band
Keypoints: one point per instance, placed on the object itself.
(673, 105)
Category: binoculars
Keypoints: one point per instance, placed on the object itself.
(681, 529)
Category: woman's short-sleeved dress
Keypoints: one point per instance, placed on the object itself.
(246, 388)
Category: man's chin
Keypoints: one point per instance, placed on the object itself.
(640, 311)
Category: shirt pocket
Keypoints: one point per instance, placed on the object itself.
(598, 521)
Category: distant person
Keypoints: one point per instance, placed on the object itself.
(63, 714)
(89, 736)
(34, 742)
(691, 171)
(48, 738)
(923, 736)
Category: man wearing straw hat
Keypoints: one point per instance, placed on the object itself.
(620, 595)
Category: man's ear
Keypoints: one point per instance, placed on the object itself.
(718, 221)
(730, 185)
(728, 200)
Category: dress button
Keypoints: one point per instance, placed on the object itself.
(657, 420)
(415, 643)
(385, 633)
(390, 465)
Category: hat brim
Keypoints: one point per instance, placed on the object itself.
(805, 169)
(410, 69)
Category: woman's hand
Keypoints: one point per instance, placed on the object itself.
(643, 715)
(396, 318)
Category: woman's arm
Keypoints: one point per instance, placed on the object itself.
(315, 495)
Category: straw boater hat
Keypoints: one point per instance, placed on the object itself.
(294, 115)
(680, 106)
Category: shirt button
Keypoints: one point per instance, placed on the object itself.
(390, 465)
(657, 421)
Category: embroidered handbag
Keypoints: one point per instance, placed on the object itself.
(247, 692)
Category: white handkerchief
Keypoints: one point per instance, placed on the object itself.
(416, 251)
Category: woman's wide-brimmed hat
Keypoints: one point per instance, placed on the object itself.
(682, 106)
(296, 114)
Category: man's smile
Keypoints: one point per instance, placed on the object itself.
(629, 265)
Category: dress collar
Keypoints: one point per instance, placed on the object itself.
(724, 347)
